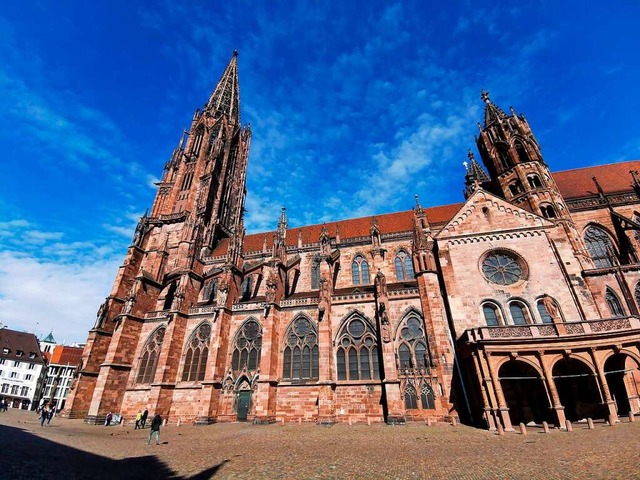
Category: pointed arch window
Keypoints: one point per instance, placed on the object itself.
(360, 271)
(315, 275)
(600, 247)
(212, 138)
(548, 211)
(410, 397)
(522, 152)
(404, 266)
(209, 290)
(503, 155)
(519, 313)
(149, 356)
(357, 353)
(300, 356)
(247, 287)
(614, 304)
(247, 347)
(169, 295)
(492, 316)
(413, 350)
(195, 359)
(197, 141)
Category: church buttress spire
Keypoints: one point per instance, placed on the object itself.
(225, 99)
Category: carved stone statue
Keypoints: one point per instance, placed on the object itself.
(384, 322)
(381, 284)
(222, 294)
(551, 308)
(102, 313)
(324, 295)
(272, 287)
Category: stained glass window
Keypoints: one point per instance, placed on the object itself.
(357, 352)
(149, 356)
(404, 266)
(490, 314)
(247, 347)
(360, 271)
(301, 351)
(600, 247)
(195, 362)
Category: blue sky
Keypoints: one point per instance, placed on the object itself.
(354, 108)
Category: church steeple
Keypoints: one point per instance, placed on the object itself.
(225, 98)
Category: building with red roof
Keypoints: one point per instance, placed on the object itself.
(22, 367)
(519, 304)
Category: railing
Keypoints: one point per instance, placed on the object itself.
(550, 330)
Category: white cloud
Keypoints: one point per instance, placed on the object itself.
(39, 295)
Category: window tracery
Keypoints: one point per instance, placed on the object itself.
(149, 356)
(600, 246)
(195, 359)
(502, 268)
(300, 356)
(357, 352)
(360, 271)
(614, 304)
(404, 266)
(247, 347)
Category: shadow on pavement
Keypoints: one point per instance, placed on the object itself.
(27, 456)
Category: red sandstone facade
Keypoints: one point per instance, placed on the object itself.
(518, 305)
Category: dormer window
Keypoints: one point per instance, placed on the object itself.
(5, 350)
(32, 355)
(19, 353)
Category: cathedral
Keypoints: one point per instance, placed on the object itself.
(518, 305)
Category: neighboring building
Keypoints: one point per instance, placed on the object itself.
(519, 304)
(22, 366)
(61, 371)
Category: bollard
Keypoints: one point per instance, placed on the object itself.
(369, 421)
(590, 423)
(349, 421)
(178, 422)
(429, 423)
(569, 425)
(283, 421)
(545, 427)
(523, 428)
(454, 422)
(500, 429)
(632, 418)
(122, 422)
(300, 421)
(164, 422)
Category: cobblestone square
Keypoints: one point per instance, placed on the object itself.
(70, 449)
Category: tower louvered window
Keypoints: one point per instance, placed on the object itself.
(197, 141)
(247, 347)
(300, 356)
(600, 247)
(360, 271)
(357, 353)
(195, 360)
(404, 266)
(149, 356)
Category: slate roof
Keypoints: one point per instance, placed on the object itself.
(14, 342)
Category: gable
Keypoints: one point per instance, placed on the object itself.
(483, 212)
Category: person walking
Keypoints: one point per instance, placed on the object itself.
(138, 420)
(155, 427)
(145, 414)
(107, 420)
(43, 415)
(52, 410)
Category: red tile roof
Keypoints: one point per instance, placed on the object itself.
(613, 178)
(63, 355)
(571, 183)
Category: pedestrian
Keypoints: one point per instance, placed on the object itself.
(138, 420)
(107, 420)
(145, 414)
(155, 427)
(43, 416)
(52, 410)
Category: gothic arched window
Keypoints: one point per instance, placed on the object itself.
(515, 187)
(208, 291)
(300, 356)
(360, 271)
(614, 304)
(246, 288)
(170, 292)
(404, 266)
(427, 396)
(197, 141)
(149, 356)
(503, 155)
(600, 246)
(410, 397)
(491, 314)
(212, 138)
(247, 347)
(522, 152)
(357, 354)
(519, 313)
(413, 351)
(315, 275)
(195, 360)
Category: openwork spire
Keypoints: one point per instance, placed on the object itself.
(492, 112)
(225, 99)
(475, 170)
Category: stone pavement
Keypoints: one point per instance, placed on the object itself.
(70, 449)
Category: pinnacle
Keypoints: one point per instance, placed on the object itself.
(225, 99)
(492, 112)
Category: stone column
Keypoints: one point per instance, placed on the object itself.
(488, 411)
(502, 404)
(604, 387)
(551, 387)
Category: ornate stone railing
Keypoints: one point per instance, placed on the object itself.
(296, 302)
(553, 330)
(202, 310)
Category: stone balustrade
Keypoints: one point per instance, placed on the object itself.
(550, 330)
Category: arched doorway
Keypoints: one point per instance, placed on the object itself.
(524, 393)
(578, 390)
(243, 399)
(621, 372)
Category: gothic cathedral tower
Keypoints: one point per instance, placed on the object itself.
(199, 203)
